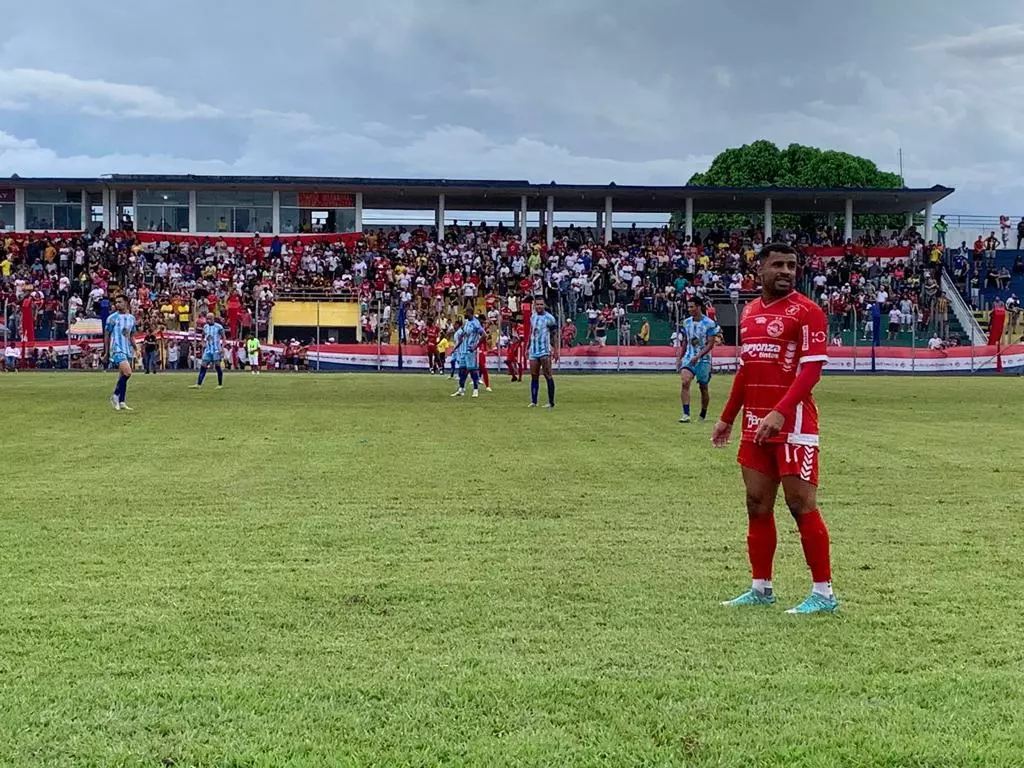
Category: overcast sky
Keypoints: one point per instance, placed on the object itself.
(587, 91)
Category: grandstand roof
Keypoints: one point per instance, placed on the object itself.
(505, 194)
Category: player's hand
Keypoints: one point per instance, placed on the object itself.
(769, 427)
(720, 434)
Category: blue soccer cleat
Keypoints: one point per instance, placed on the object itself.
(751, 597)
(816, 603)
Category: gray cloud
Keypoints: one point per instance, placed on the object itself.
(579, 90)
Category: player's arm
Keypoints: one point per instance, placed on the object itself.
(723, 429)
(812, 358)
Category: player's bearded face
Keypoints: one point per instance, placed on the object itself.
(778, 274)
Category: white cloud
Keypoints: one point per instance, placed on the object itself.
(21, 88)
(1004, 41)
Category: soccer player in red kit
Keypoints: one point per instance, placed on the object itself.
(515, 351)
(433, 358)
(783, 350)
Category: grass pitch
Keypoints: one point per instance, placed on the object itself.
(337, 570)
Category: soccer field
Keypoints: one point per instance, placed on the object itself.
(304, 570)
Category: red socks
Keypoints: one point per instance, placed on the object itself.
(814, 538)
(761, 540)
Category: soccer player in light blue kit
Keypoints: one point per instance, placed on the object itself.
(467, 342)
(543, 327)
(213, 350)
(120, 349)
(697, 338)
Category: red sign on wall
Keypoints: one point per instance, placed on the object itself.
(326, 200)
(6, 195)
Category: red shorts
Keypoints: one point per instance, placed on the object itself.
(779, 460)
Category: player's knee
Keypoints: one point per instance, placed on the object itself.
(800, 503)
(758, 504)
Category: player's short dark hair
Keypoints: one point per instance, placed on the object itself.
(783, 248)
(698, 301)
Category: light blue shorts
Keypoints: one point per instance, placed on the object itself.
(701, 371)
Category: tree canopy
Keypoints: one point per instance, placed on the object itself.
(762, 164)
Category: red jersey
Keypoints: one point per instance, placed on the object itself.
(432, 334)
(776, 338)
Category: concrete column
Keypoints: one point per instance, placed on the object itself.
(599, 222)
(927, 234)
(608, 219)
(440, 217)
(767, 219)
(193, 213)
(86, 212)
(523, 213)
(848, 221)
(19, 209)
(107, 193)
(549, 222)
(275, 212)
(688, 223)
(910, 220)
(359, 211)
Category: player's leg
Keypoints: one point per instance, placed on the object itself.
(545, 365)
(685, 378)
(463, 375)
(204, 363)
(705, 399)
(219, 367)
(115, 398)
(534, 382)
(799, 467)
(482, 363)
(125, 370)
(761, 484)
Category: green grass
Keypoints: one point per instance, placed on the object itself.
(357, 570)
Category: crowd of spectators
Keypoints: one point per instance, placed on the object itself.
(49, 284)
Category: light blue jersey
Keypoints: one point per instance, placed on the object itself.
(468, 339)
(695, 336)
(540, 335)
(213, 338)
(121, 327)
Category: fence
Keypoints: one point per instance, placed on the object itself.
(856, 345)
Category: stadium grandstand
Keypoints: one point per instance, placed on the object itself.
(295, 261)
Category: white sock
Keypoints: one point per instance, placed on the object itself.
(762, 585)
(823, 588)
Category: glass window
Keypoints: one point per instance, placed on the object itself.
(216, 218)
(6, 216)
(296, 220)
(54, 216)
(162, 218)
(235, 199)
(46, 195)
(172, 197)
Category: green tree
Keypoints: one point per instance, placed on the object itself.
(762, 164)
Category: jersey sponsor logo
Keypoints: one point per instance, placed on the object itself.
(753, 420)
(761, 320)
(793, 311)
(818, 337)
(806, 335)
(761, 350)
(775, 328)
